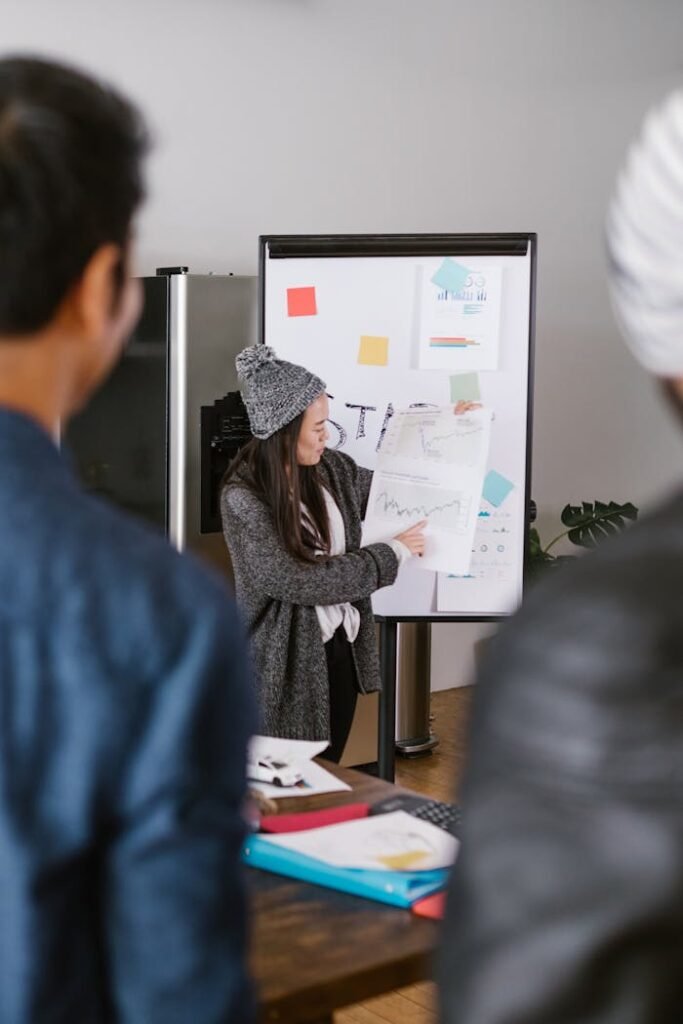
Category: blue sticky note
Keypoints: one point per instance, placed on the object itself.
(451, 276)
(496, 488)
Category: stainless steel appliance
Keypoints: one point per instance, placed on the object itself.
(159, 434)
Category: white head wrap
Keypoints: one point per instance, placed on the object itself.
(645, 242)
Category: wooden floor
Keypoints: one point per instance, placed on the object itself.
(437, 775)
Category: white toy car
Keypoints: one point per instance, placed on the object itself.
(266, 769)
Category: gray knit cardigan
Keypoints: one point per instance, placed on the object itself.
(277, 595)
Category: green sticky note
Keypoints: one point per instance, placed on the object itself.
(465, 387)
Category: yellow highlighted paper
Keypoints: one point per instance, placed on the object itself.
(407, 861)
(373, 351)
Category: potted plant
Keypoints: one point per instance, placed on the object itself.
(585, 525)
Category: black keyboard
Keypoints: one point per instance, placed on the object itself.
(443, 815)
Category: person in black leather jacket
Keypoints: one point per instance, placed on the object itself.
(566, 903)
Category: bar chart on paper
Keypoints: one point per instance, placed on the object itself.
(460, 320)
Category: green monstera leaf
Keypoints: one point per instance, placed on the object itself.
(586, 525)
(591, 522)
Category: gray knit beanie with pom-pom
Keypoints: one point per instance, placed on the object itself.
(274, 391)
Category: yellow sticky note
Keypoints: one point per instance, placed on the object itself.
(373, 351)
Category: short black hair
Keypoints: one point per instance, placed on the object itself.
(71, 155)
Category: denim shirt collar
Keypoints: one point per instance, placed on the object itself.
(22, 437)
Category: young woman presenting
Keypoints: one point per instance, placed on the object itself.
(292, 513)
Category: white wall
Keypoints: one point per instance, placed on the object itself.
(397, 115)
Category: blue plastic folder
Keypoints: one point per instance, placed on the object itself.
(399, 888)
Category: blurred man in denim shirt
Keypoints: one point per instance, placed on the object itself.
(125, 701)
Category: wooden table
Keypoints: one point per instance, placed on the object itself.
(314, 950)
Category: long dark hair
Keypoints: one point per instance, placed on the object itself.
(270, 469)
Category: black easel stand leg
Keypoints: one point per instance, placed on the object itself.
(387, 701)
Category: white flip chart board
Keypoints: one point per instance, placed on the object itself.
(392, 322)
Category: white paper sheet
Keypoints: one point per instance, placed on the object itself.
(383, 842)
(495, 552)
(431, 466)
(299, 754)
(284, 750)
(460, 330)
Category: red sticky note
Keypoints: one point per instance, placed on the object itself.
(301, 302)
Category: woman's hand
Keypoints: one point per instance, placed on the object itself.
(414, 538)
(462, 406)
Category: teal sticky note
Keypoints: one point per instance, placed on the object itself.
(465, 387)
(451, 276)
(496, 488)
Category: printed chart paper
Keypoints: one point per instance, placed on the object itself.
(431, 466)
(495, 554)
(459, 330)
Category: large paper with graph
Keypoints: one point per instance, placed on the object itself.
(431, 466)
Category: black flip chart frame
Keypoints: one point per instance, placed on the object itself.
(523, 244)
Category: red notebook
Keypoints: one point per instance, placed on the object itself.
(313, 819)
(431, 906)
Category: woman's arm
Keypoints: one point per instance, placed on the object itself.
(254, 542)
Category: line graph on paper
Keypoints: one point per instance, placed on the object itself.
(406, 503)
(453, 441)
